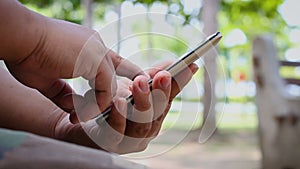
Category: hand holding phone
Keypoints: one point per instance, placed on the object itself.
(178, 66)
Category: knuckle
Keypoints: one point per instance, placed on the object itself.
(118, 59)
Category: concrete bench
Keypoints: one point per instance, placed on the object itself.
(278, 111)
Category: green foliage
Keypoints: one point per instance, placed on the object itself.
(253, 17)
(38, 3)
(69, 10)
(148, 2)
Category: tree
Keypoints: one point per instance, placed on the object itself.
(209, 13)
(88, 17)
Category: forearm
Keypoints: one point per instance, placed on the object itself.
(20, 30)
(22, 108)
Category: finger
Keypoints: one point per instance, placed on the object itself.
(184, 78)
(156, 126)
(88, 108)
(136, 137)
(137, 131)
(161, 88)
(162, 82)
(141, 93)
(95, 65)
(139, 124)
(160, 96)
(124, 67)
(59, 91)
(124, 87)
(181, 79)
(112, 130)
(142, 109)
(67, 99)
(104, 84)
(117, 122)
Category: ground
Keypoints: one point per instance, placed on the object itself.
(226, 150)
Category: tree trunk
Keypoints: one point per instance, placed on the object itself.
(119, 36)
(209, 18)
(88, 17)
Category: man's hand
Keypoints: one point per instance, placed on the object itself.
(126, 132)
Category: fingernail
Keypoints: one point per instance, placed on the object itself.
(165, 82)
(143, 85)
(195, 69)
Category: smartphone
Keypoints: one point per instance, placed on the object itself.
(182, 63)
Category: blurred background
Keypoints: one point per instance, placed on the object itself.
(223, 97)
